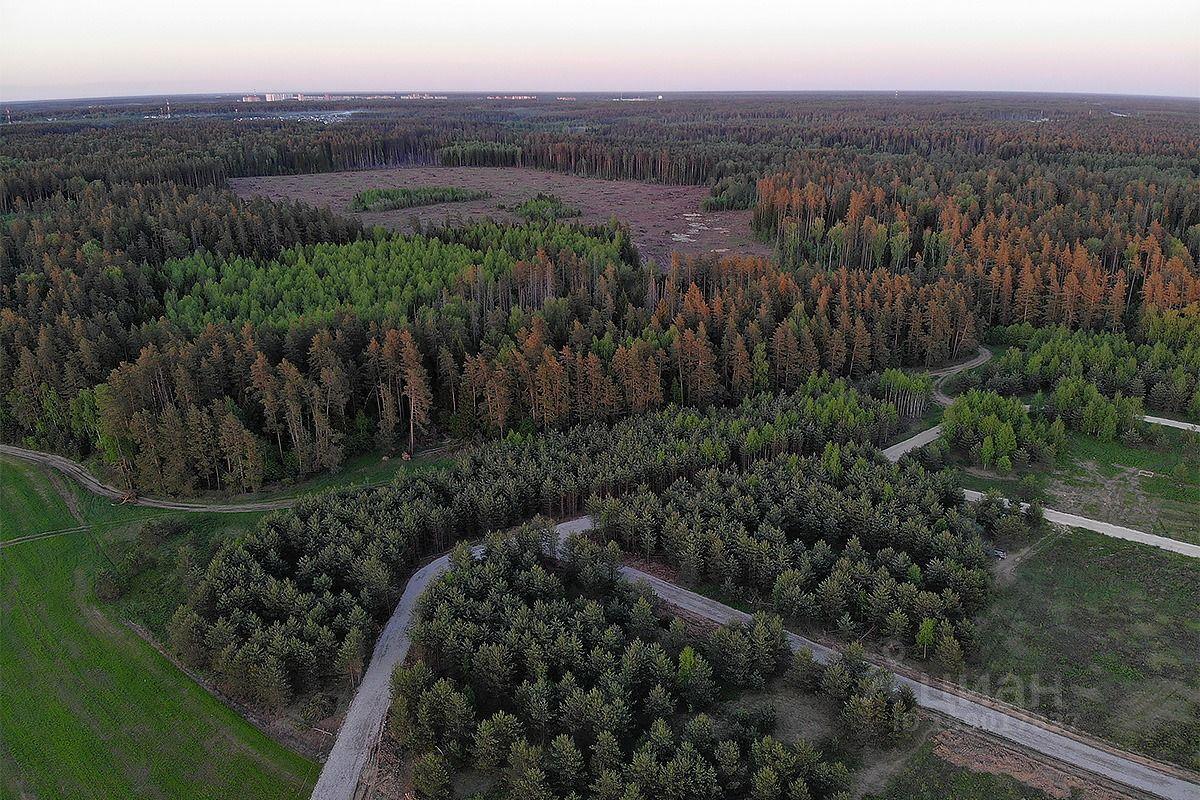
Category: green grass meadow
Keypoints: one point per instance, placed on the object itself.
(87, 708)
(1102, 634)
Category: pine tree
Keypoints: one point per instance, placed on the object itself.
(416, 387)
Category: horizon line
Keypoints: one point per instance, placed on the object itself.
(587, 92)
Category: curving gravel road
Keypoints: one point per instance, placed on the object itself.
(926, 436)
(80, 474)
(361, 729)
(940, 375)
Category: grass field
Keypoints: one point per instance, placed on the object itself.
(1106, 477)
(928, 777)
(1105, 480)
(1102, 634)
(87, 709)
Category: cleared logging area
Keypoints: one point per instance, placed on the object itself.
(661, 218)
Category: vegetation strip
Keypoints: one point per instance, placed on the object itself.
(893, 453)
(408, 197)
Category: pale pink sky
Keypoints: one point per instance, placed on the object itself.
(92, 48)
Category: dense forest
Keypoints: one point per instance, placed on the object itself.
(999, 432)
(484, 328)
(145, 305)
(1159, 364)
(563, 681)
(835, 541)
(782, 500)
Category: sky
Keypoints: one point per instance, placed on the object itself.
(97, 48)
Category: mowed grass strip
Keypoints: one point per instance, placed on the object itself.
(89, 710)
(1102, 634)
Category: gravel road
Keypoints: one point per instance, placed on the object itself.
(1173, 423)
(1109, 529)
(926, 436)
(1127, 769)
(940, 375)
(360, 731)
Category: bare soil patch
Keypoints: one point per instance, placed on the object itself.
(662, 219)
(1006, 570)
(1110, 497)
(984, 754)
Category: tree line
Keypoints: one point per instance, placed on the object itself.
(409, 197)
(511, 327)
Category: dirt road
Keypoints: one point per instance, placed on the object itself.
(1172, 423)
(939, 376)
(364, 721)
(80, 474)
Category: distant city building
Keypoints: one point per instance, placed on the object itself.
(275, 97)
(512, 97)
(251, 98)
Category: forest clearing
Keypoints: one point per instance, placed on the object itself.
(662, 218)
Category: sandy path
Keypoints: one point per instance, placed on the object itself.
(1173, 423)
(1109, 529)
